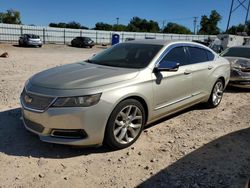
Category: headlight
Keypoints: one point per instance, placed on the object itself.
(239, 63)
(80, 101)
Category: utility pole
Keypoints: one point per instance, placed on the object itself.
(163, 24)
(245, 28)
(241, 3)
(195, 22)
(117, 21)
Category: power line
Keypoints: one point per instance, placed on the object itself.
(233, 8)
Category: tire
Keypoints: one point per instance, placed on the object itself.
(40, 46)
(125, 124)
(216, 94)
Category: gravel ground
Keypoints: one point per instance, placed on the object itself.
(195, 148)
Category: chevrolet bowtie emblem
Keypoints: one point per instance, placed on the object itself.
(27, 99)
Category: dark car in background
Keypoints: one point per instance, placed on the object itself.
(239, 58)
(82, 42)
(30, 40)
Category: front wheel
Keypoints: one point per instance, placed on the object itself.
(216, 94)
(125, 124)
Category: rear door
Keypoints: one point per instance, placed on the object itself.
(202, 64)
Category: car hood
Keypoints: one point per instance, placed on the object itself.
(239, 61)
(81, 76)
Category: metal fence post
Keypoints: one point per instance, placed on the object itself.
(21, 28)
(43, 35)
(64, 37)
(110, 38)
(80, 33)
(96, 37)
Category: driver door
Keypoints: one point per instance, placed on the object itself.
(172, 89)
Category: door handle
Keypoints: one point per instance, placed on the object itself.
(210, 67)
(187, 71)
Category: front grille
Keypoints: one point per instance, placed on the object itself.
(35, 102)
(34, 126)
(245, 69)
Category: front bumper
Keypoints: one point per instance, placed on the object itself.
(239, 78)
(90, 120)
(241, 84)
(34, 43)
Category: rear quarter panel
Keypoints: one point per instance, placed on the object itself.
(221, 70)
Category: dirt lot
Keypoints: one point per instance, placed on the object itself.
(195, 148)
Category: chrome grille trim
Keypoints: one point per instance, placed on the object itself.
(33, 109)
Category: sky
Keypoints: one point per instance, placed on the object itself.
(89, 12)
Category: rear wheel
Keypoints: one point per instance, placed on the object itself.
(216, 94)
(125, 124)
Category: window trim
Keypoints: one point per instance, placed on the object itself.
(185, 52)
(172, 46)
(189, 55)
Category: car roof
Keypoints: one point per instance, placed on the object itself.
(163, 42)
(150, 41)
(26, 34)
(245, 46)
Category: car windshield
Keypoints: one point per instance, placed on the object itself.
(127, 55)
(33, 36)
(237, 52)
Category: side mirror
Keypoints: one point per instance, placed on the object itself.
(167, 66)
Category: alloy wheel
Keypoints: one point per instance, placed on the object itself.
(217, 93)
(128, 124)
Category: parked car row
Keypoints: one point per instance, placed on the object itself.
(34, 40)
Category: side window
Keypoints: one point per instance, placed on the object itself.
(210, 56)
(197, 55)
(176, 55)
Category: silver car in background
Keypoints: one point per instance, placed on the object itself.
(30, 40)
(239, 58)
(112, 96)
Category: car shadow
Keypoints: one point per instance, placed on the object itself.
(18, 46)
(192, 108)
(231, 89)
(17, 141)
(224, 162)
(85, 47)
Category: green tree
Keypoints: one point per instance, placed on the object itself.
(209, 25)
(119, 27)
(103, 26)
(137, 24)
(176, 28)
(71, 25)
(239, 28)
(10, 17)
